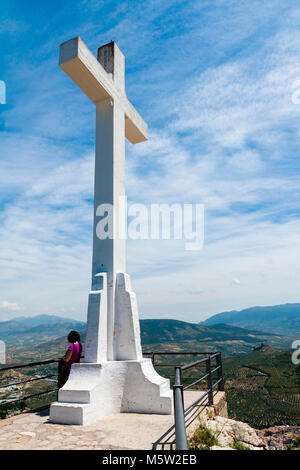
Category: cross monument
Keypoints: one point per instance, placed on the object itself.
(114, 377)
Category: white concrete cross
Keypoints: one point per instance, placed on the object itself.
(103, 81)
(114, 376)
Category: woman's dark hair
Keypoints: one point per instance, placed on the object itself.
(73, 337)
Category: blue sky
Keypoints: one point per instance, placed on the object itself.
(216, 82)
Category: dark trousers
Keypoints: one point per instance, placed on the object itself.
(63, 374)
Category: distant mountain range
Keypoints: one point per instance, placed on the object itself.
(175, 334)
(42, 320)
(232, 332)
(35, 330)
(45, 337)
(280, 319)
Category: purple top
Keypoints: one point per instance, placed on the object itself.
(76, 349)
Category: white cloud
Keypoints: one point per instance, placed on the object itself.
(262, 257)
(13, 306)
(12, 26)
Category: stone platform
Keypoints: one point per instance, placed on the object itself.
(125, 431)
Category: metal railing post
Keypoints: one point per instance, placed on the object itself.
(180, 431)
(153, 359)
(209, 381)
(220, 373)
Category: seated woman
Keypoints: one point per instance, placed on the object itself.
(72, 355)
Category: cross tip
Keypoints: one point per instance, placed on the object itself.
(69, 49)
(111, 58)
(76, 39)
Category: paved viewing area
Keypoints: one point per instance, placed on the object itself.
(124, 431)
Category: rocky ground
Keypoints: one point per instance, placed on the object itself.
(232, 434)
(235, 435)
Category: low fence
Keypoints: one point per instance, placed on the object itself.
(25, 382)
(208, 382)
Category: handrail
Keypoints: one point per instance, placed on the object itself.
(196, 382)
(193, 364)
(27, 381)
(29, 396)
(180, 353)
(180, 431)
(28, 364)
(21, 366)
(180, 413)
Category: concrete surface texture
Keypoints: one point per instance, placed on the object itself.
(114, 376)
(130, 431)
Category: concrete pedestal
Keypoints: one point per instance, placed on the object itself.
(100, 387)
(94, 391)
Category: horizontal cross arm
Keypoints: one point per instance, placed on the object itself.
(136, 130)
(85, 70)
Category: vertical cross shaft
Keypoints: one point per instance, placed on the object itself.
(109, 254)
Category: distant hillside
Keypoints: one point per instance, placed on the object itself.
(262, 388)
(179, 335)
(36, 330)
(172, 335)
(41, 320)
(281, 319)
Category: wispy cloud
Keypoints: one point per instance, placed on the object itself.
(13, 306)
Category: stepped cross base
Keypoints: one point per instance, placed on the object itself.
(95, 391)
(99, 388)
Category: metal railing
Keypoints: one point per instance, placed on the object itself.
(179, 412)
(24, 382)
(213, 380)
